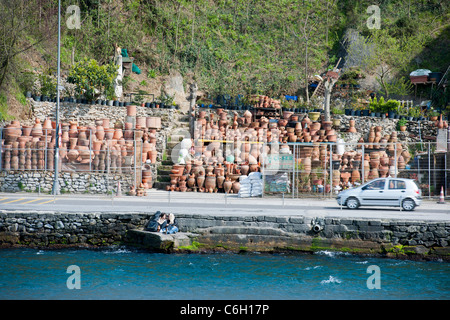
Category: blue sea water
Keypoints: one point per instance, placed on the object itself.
(127, 274)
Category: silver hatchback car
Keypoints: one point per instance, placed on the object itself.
(391, 192)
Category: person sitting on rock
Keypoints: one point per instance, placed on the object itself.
(162, 223)
(172, 226)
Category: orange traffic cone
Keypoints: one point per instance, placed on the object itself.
(441, 197)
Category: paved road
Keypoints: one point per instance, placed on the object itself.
(219, 204)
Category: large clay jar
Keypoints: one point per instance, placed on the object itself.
(307, 165)
(152, 155)
(100, 132)
(355, 176)
(72, 155)
(345, 176)
(37, 129)
(73, 130)
(236, 186)
(244, 169)
(109, 133)
(118, 134)
(383, 171)
(220, 180)
(200, 180)
(97, 144)
(191, 181)
(210, 183)
(227, 185)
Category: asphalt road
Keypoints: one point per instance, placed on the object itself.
(217, 204)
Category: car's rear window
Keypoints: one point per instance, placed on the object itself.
(397, 184)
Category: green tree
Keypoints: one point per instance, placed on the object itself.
(92, 80)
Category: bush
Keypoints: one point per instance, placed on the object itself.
(92, 80)
(383, 107)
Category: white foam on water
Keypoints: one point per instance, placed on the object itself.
(332, 254)
(331, 279)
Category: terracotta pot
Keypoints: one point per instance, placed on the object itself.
(131, 110)
(153, 155)
(191, 181)
(72, 155)
(100, 132)
(109, 133)
(73, 129)
(26, 130)
(37, 129)
(355, 176)
(200, 181)
(220, 180)
(236, 187)
(227, 185)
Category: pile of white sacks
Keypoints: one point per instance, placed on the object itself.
(251, 185)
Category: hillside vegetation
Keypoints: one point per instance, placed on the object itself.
(227, 46)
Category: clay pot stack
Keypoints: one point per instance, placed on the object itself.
(99, 147)
(213, 178)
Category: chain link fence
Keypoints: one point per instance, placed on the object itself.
(323, 169)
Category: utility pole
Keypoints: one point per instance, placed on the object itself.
(55, 189)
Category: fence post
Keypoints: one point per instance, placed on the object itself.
(90, 151)
(429, 171)
(293, 170)
(331, 169)
(395, 160)
(135, 178)
(362, 164)
(1, 149)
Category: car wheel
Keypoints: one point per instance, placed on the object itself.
(352, 203)
(408, 204)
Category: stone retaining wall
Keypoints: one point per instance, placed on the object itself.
(70, 182)
(271, 233)
(394, 238)
(46, 230)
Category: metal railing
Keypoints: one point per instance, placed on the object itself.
(323, 169)
(82, 154)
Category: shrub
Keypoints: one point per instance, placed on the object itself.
(92, 80)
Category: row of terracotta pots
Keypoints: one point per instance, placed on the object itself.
(213, 178)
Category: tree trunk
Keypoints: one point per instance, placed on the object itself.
(306, 72)
(192, 100)
(328, 85)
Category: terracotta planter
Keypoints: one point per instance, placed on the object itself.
(131, 110)
(236, 187)
(356, 176)
(153, 155)
(227, 185)
(100, 132)
(37, 129)
(200, 181)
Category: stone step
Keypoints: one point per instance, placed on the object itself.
(163, 172)
(167, 163)
(161, 185)
(162, 178)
